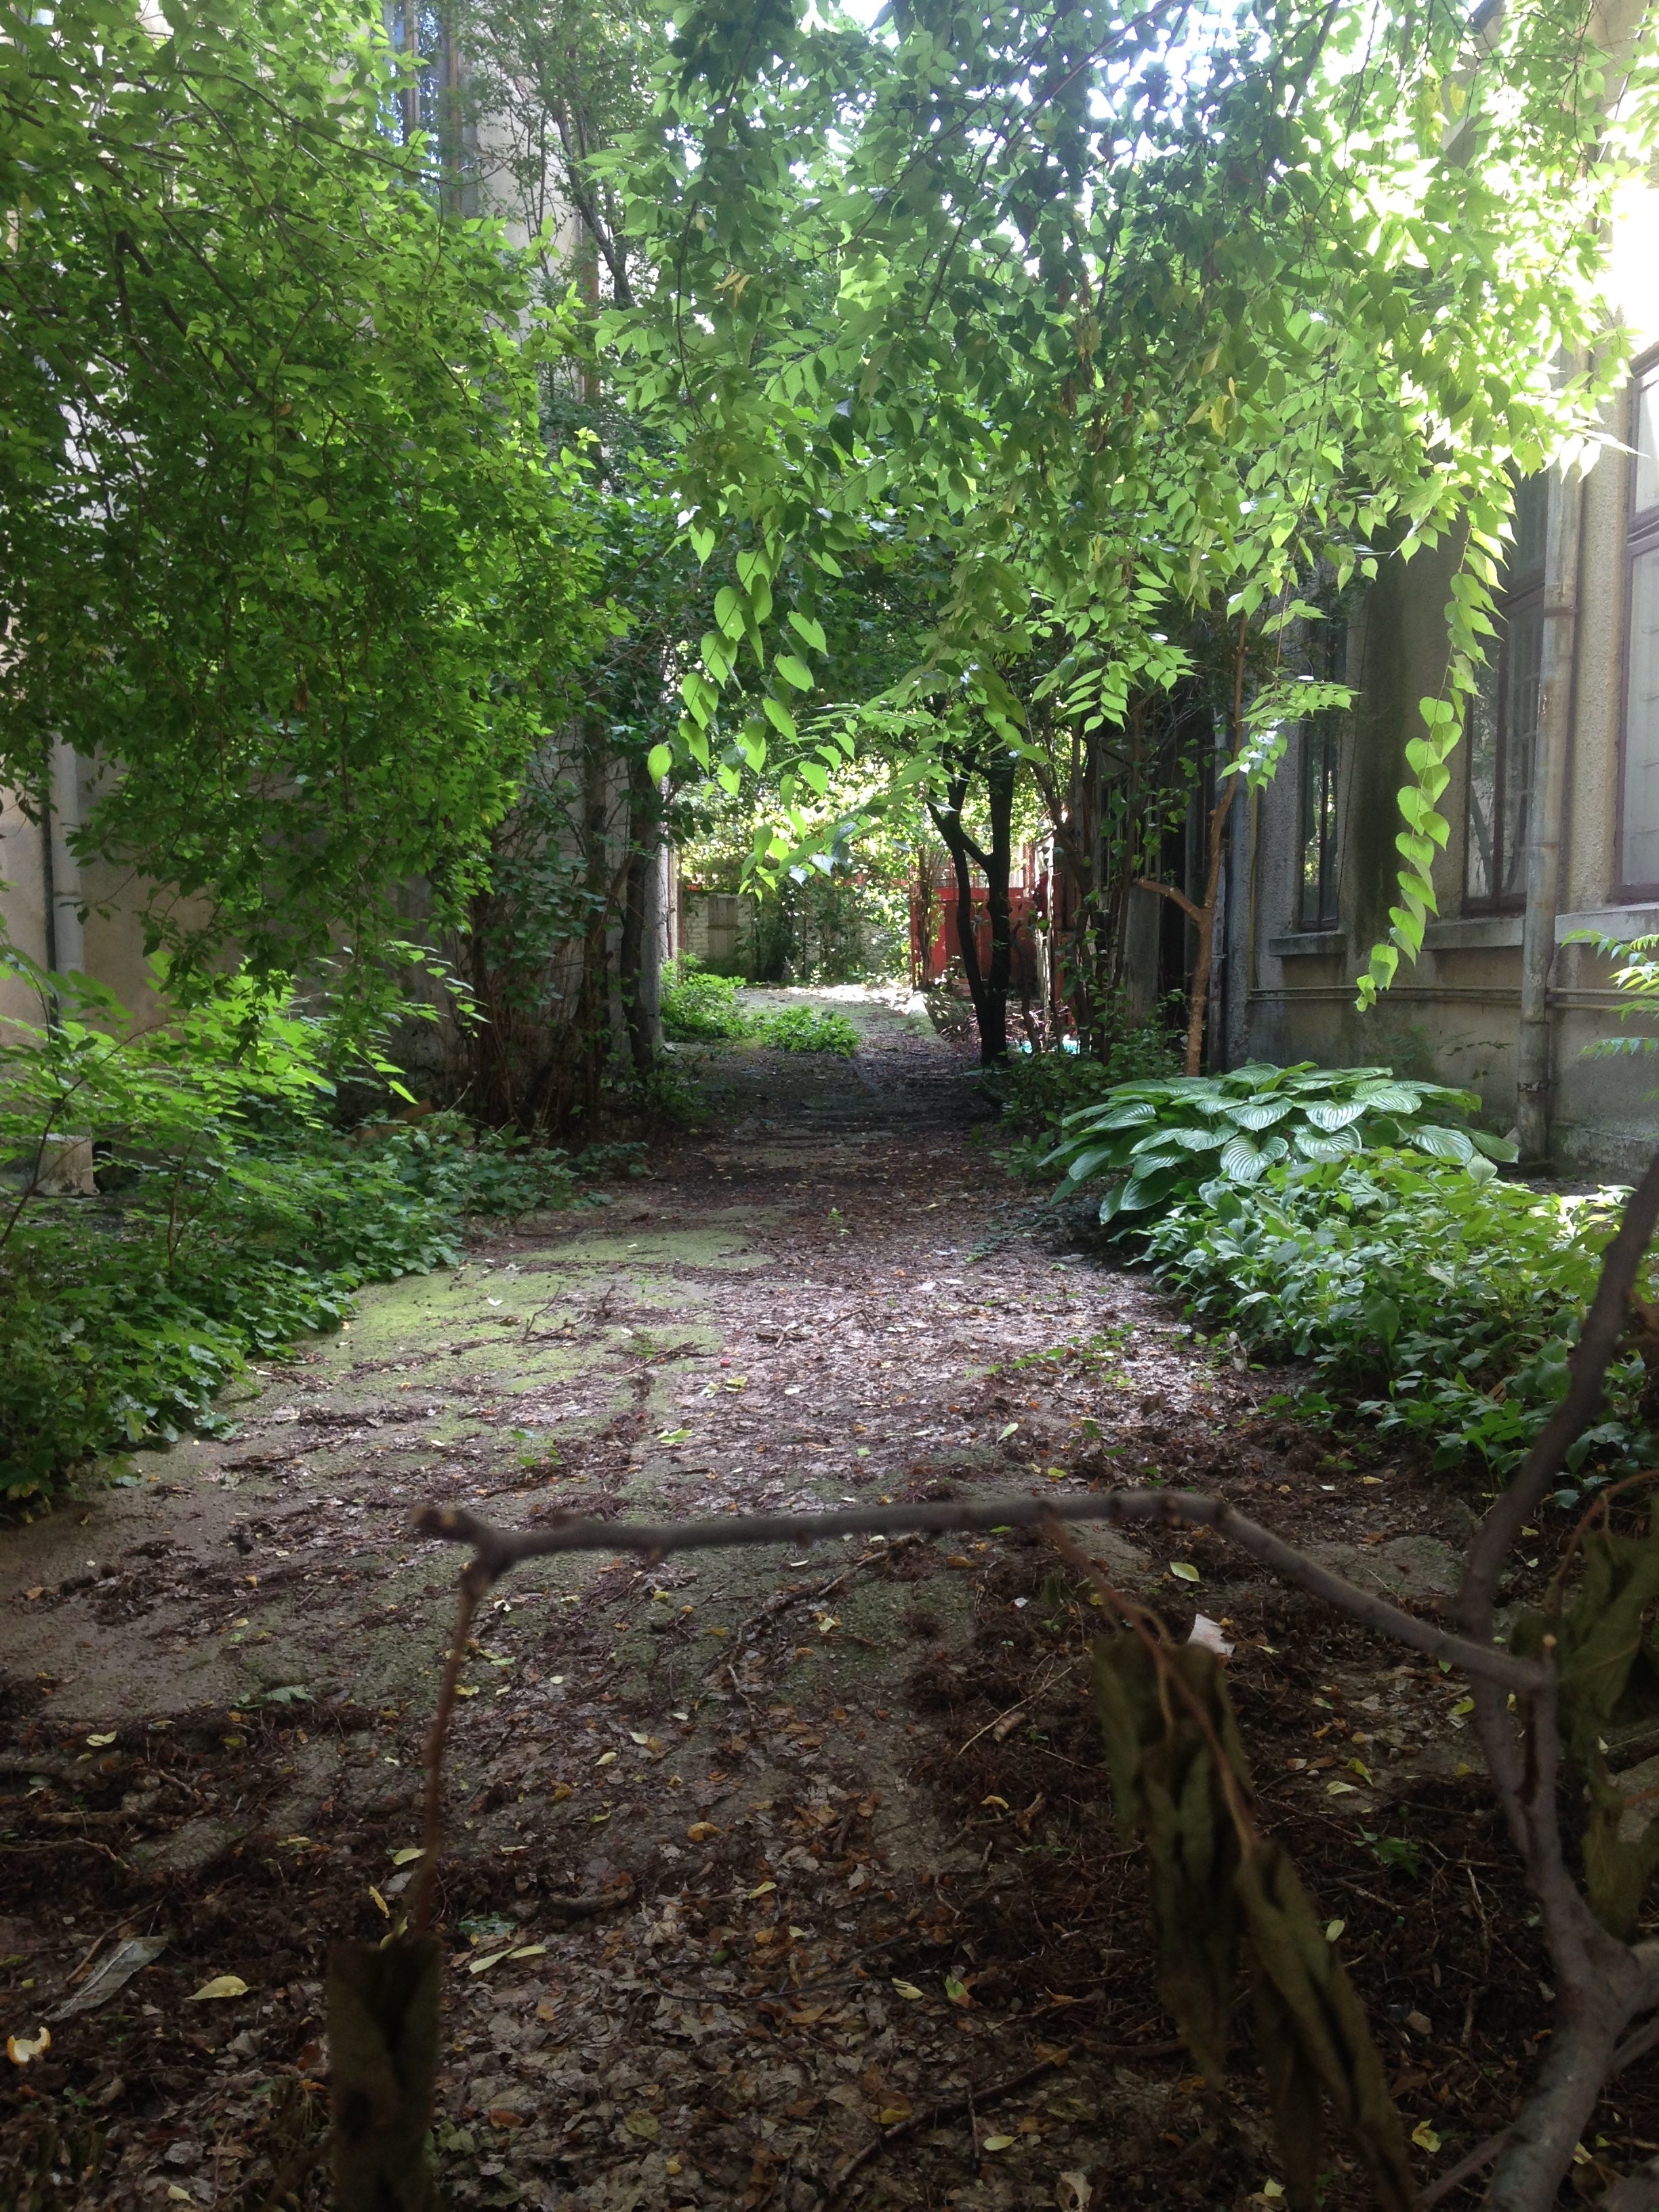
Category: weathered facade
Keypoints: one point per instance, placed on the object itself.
(1554, 804)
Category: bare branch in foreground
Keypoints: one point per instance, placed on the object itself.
(494, 1551)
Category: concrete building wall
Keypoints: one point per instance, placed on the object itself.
(1454, 1016)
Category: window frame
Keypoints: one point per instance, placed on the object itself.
(1325, 732)
(1513, 599)
(1641, 536)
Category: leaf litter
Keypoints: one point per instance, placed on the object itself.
(849, 1876)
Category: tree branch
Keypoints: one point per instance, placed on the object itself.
(1189, 906)
(495, 1551)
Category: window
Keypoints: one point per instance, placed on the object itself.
(1322, 738)
(1638, 796)
(1503, 725)
(1317, 910)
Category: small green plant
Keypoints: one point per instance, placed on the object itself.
(227, 1217)
(808, 1029)
(1038, 1090)
(1637, 981)
(699, 1007)
(1443, 1302)
(1158, 1141)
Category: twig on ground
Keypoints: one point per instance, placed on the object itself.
(948, 2108)
(496, 1550)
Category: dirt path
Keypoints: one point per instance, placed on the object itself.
(835, 1823)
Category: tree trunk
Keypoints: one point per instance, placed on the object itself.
(998, 867)
(637, 955)
(593, 998)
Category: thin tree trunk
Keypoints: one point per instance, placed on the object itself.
(636, 952)
(998, 867)
(1203, 917)
(593, 1000)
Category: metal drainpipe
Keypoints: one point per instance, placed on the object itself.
(1546, 829)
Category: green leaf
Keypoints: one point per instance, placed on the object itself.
(793, 670)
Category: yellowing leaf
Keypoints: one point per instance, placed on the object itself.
(380, 1901)
(1185, 1571)
(701, 1831)
(21, 2049)
(890, 2116)
(483, 1966)
(761, 1888)
(906, 1988)
(997, 2142)
(407, 1856)
(466, 1689)
(1333, 1929)
(1340, 1790)
(1425, 2137)
(221, 1985)
(644, 2125)
(605, 1758)
(529, 1951)
(98, 1740)
(562, 1790)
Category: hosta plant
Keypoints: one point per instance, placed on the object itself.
(1156, 1142)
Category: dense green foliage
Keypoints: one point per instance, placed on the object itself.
(115, 1330)
(1129, 318)
(700, 1006)
(1159, 1140)
(279, 531)
(1453, 1298)
(1037, 1092)
(808, 1029)
(229, 1215)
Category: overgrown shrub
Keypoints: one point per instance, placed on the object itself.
(808, 1029)
(697, 1005)
(1157, 1141)
(1037, 1091)
(229, 1217)
(1442, 1300)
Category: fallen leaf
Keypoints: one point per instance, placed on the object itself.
(605, 1758)
(1333, 1929)
(221, 1985)
(761, 1888)
(466, 1689)
(380, 1901)
(1425, 2137)
(97, 1741)
(1185, 1571)
(672, 1436)
(1208, 1633)
(1003, 1801)
(645, 2125)
(561, 1791)
(40, 1590)
(957, 1991)
(503, 2116)
(21, 2049)
(1072, 2191)
(407, 1856)
(547, 2011)
(114, 1973)
(1341, 1790)
(483, 1966)
(701, 1831)
(997, 2142)
(1419, 2023)
(529, 1951)
(906, 1989)
(890, 2116)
